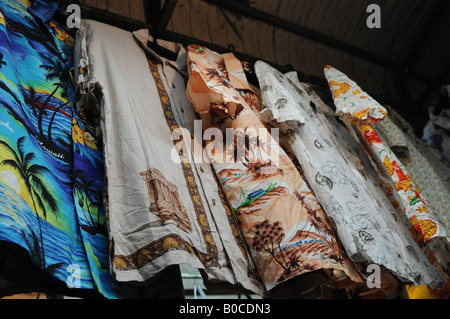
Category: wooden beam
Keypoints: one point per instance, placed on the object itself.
(166, 14)
(159, 17)
(152, 9)
(247, 11)
(111, 18)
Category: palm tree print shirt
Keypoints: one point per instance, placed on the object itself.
(280, 219)
(51, 166)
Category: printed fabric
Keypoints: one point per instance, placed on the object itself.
(51, 166)
(366, 226)
(430, 175)
(163, 208)
(353, 105)
(285, 228)
(397, 182)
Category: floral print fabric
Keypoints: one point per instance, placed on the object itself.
(430, 175)
(397, 182)
(352, 103)
(415, 208)
(286, 230)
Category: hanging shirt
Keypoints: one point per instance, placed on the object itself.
(430, 175)
(398, 183)
(163, 207)
(353, 105)
(287, 232)
(51, 165)
(366, 224)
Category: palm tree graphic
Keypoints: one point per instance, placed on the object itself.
(30, 98)
(50, 124)
(268, 237)
(32, 176)
(89, 197)
(55, 70)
